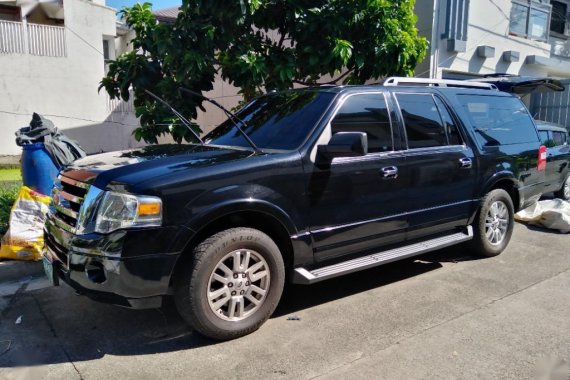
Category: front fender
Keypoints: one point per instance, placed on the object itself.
(232, 206)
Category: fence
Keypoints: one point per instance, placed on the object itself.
(11, 37)
(121, 106)
(552, 106)
(44, 40)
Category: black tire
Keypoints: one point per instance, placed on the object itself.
(481, 244)
(192, 283)
(564, 192)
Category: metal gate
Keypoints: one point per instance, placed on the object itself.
(553, 107)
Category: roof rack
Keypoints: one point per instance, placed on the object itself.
(398, 81)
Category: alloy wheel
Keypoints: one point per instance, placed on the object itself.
(238, 285)
(497, 223)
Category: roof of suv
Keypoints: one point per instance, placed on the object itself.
(407, 87)
(546, 126)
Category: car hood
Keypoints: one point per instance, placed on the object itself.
(136, 165)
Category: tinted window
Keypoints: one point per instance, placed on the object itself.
(275, 121)
(544, 138)
(559, 138)
(453, 137)
(422, 120)
(366, 113)
(499, 120)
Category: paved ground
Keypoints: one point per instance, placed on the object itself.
(445, 316)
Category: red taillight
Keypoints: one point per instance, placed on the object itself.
(541, 158)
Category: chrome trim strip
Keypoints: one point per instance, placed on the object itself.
(332, 228)
(69, 197)
(73, 182)
(61, 224)
(66, 211)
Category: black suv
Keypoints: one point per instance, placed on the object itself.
(333, 180)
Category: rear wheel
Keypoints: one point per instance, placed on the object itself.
(232, 284)
(564, 192)
(493, 225)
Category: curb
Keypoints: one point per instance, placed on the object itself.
(11, 271)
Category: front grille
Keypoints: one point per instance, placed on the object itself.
(57, 250)
(68, 195)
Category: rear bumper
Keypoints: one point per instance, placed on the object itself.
(116, 268)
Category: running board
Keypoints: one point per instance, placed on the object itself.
(305, 276)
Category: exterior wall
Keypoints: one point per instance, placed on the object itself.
(425, 11)
(227, 95)
(488, 25)
(64, 89)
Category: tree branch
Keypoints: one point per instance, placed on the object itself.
(334, 81)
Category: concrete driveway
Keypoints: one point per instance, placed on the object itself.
(447, 315)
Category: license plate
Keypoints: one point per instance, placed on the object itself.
(48, 269)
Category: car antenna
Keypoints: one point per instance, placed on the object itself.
(232, 116)
(178, 114)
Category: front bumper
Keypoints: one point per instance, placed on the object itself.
(127, 268)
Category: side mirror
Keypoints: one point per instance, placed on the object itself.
(345, 144)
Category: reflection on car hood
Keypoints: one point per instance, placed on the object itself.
(140, 164)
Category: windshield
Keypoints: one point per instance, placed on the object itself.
(280, 121)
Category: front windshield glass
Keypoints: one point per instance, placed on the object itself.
(280, 121)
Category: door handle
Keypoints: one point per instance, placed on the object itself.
(389, 172)
(465, 163)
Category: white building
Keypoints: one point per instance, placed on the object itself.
(525, 37)
(469, 38)
(52, 58)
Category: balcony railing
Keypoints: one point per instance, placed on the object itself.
(44, 40)
(11, 37)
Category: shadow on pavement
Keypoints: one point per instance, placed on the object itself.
(58, 326)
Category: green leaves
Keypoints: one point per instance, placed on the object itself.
(343, 50)
(257, 46)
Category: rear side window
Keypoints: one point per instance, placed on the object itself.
(427, 124)
(543, 137)
(499, 120)
(559, 138)
(366, 113)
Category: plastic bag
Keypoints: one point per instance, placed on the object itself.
(553, 214)
(24, 239)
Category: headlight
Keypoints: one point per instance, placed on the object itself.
(117, 210)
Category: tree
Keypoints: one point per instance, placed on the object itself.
(258, 45)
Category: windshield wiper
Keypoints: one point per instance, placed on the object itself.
(232, 116)
(177, 114)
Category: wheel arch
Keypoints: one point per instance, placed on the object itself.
(507, 182)
(258, 215)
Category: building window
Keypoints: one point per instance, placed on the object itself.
(106, 54)
(560, 18)
(530, 19)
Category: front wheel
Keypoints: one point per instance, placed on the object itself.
(493, 225)
(231, 285)
(564, 192)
